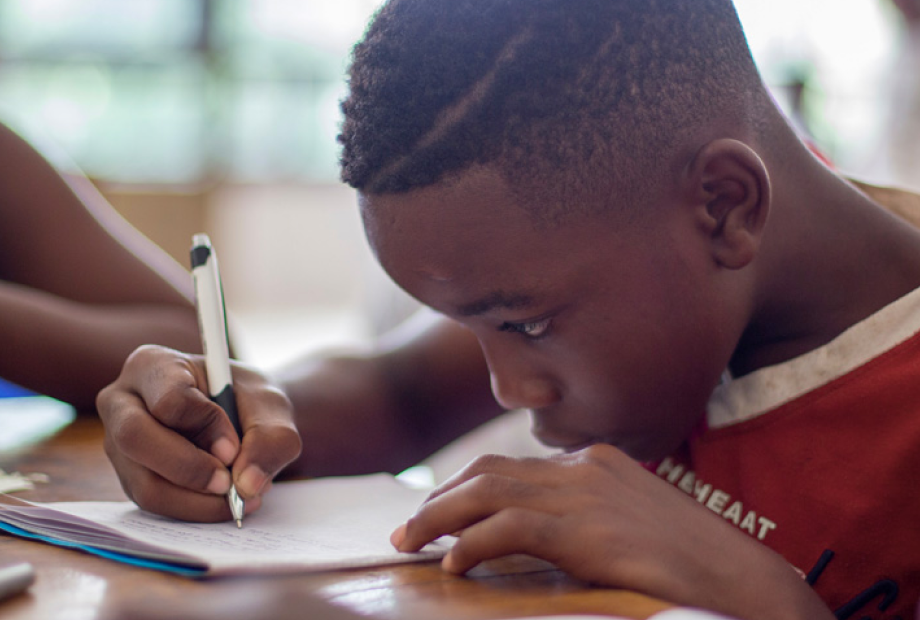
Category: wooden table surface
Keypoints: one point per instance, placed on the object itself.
(72, 585)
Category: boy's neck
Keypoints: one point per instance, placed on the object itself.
(832, 258)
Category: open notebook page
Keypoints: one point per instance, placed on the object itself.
(309, 525)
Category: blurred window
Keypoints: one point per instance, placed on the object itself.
(182, 91)
(828, 63)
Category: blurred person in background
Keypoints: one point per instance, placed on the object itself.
(901, 144)
(79, 287)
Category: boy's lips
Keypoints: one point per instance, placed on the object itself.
(566, 444)
(578, 447)
(547, 432)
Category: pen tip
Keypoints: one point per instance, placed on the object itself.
(239, 524)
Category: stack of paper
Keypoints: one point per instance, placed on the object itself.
(313, 525)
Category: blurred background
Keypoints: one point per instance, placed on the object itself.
(220, 116)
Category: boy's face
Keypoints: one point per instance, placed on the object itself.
(608, 332)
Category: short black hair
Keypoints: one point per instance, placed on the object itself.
(586, 94)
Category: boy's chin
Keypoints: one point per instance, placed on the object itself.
(640, 452)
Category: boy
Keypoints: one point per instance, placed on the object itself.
(604, 195)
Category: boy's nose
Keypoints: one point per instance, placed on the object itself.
(513, 391)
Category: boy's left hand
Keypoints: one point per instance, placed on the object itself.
(601, 517)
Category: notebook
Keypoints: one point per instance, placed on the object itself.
(302, 526)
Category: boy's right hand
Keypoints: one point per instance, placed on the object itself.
(172, 447)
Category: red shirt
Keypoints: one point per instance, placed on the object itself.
(819, 458)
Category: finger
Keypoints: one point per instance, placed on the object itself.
(159, 496)
(469, 503)
(134, 435)
(156, 494)
(551, 471)
(175, 393)
(270, 441)
(514, 530)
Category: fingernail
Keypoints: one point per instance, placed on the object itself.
(398, 536)
(251, 481)
(220, 482)
(224, 451)
(448, 563)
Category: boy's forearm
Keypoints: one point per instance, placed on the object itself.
(388, 409)
(353, 418)
(766, 587)
(346, 418)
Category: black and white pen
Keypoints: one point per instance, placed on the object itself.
(212, 322)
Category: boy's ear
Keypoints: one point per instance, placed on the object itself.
(729, 189)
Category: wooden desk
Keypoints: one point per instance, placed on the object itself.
(76, 586)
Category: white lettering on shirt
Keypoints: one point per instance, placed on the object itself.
(715, 500)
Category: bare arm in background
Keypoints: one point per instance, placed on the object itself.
(79, 287)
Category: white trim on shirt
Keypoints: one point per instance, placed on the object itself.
(765, 389)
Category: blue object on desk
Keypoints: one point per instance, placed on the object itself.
(27, 417)
(11, 390)
(105, 553)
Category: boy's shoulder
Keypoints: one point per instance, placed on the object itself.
(901, 202)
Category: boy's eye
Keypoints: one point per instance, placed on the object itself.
(530, 329)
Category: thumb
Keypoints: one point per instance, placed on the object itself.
(270, 437)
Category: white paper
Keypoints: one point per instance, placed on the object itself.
(305, 525)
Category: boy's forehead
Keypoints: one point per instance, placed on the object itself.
(468, 205)
(461, 209)
(473, 238)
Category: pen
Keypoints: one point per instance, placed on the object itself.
(212, 322)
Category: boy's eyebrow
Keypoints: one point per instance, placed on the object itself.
(494, 300)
